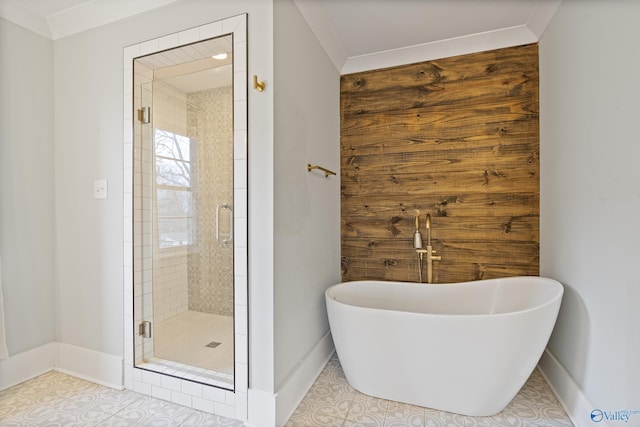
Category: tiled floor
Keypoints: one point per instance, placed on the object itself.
(55, 399)
(333, 402)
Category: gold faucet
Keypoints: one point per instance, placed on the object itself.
(429, 251)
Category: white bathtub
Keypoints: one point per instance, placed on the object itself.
(465, 348)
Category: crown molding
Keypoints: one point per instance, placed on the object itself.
(490, 40)
(88, 15)
(313, 13)
(17, 14)
(530, 32)
(96, 13)
(541, 16)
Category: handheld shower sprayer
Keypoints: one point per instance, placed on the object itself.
(417, 237)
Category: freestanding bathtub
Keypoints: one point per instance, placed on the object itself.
(465, 348)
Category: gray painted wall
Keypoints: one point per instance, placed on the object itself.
(590, 194)
(307, 205)
(26, 187)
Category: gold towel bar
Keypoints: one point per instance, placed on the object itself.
(327, 172)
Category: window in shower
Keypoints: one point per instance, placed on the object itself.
(173, 188)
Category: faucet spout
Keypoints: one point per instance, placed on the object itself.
(428, 227)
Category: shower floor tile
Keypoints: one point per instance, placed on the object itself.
(182, 348)
(184, 339)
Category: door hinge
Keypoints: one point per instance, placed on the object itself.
(144, 115)
(144, 329)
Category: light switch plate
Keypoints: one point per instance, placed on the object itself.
(100, 189)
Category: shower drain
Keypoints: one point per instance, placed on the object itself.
(213, 344)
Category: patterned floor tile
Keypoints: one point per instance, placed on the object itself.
(367, 410)
(55, 399)
(404, 415)
(315, 421)
(435, 418)
(534, 406)
(204, 419)
(154, 412)
(317, 411)
(116, 421)
(323, 389)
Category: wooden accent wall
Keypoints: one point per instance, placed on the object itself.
(457, 138)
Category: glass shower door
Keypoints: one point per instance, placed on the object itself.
(183, 215)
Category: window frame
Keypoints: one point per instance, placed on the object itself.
(162, 244)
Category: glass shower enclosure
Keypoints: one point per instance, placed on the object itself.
(183, 215)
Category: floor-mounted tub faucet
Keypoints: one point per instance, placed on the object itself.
(429, 251)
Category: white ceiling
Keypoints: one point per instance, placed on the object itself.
(357, 34)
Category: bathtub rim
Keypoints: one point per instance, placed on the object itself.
(554, 300)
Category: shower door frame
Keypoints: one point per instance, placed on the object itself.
(219, 401)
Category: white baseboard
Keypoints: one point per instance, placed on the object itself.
(90, 365)
(270, 410)
(262, 408)
(94, 366)
(568, 392)
(29, 364)
(298, 383)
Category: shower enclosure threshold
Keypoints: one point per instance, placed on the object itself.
(190, 373)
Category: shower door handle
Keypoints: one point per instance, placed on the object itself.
(228, 238)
